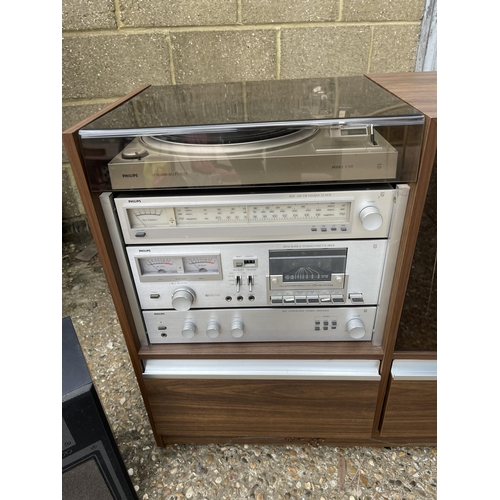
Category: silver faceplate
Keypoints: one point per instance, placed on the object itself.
(270, 226)
(251, 286)
(236, 285)
(258, 325)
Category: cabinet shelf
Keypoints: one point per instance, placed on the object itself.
(264, 350)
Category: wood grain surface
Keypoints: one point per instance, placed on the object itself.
(284, 408)
(417, 89)
(411, 409)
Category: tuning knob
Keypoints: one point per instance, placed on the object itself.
(237, 328)
(188, 330)
(356, 328)
(370, 218)
(213, 329)
(182, 299)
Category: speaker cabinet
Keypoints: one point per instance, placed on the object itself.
(92, 467)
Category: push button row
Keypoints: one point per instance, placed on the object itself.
(325, 325)
(307, 299)
(323, 229)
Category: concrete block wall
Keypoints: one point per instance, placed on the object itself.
(111, 47)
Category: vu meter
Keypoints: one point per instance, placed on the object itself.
(148, 217)
(200, 264)
(168, 268)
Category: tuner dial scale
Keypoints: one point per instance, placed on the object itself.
(244, 217)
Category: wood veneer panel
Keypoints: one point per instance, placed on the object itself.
(420, 91)
(411, 409)
(279, 408)
(102, 240)
(415, 355)
(277, 440)
(417, 89)
(267, 350)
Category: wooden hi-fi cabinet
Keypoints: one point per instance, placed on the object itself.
(399, 408)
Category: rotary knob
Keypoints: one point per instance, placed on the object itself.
(188, 330)
(370, 218)
(213, 329)
(182, 299)
(237, 328)
(356, 328)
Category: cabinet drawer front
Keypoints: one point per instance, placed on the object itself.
(266, 408)
(411, 409)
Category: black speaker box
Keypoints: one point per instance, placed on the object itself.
(92, 467)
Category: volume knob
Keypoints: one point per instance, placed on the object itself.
(356, 328)
(370, 218)
(182, 299)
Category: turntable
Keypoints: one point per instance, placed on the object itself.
(274, 133)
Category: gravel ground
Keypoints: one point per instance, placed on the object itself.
(216, 472)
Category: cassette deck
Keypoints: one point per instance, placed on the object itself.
(270, 274)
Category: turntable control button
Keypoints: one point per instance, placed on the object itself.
(162, 327)
(154, 296)
(313, 299)
(325, 299)
(314, 229)
(134, 154)
(300, 299)
(288, 300)
(275, 299)
(337, 298)
(140, 234)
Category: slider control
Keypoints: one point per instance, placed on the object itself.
(238, 283)
(250, 283)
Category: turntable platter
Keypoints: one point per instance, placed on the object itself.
(234, 141)
(228, 137)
